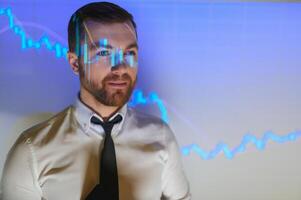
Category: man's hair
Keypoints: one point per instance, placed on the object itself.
(103, 12)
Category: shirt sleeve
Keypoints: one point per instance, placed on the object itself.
(174, 182)
(18, 177)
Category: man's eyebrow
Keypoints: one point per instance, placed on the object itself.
(98, 44)
(133, 45)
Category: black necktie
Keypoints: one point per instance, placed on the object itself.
(107, 189)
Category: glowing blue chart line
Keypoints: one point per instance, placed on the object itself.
(139, 98)
(153, 98)
(27, 42)
(260, 144)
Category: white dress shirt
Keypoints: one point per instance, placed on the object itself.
(59, 158)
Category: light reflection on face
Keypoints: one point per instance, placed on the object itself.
(109, 61)
(111, 56)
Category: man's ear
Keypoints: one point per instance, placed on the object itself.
(73, 61)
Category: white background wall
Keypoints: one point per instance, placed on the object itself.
(222, 70)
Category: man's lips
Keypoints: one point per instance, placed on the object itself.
(117, 84)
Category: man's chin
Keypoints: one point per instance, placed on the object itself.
(116, 99)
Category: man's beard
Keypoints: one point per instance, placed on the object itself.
(111, 97)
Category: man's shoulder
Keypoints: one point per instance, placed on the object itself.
(49, 126)
(145, 118)
(153, 126)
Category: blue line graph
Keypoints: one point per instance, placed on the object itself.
(26, 42)
(153, 98)
(139, 98)
(260, 144)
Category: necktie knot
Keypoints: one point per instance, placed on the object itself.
(108, 125)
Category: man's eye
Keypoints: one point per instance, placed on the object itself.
(130, 53)
(103, 53)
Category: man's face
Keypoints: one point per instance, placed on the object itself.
(109, 80)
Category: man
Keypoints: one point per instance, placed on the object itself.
(98, 148)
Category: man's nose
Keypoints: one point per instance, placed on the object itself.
(118, 62)
(119, 68)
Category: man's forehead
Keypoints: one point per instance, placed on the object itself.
(107, 30)
(120, 35)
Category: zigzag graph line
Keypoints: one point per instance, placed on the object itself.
(138, 98)
(260, 144)
(26, 42)
(153, 98)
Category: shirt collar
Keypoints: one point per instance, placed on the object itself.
(84, 114)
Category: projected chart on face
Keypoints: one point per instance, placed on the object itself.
(139, 98)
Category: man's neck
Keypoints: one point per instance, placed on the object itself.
(89, 100)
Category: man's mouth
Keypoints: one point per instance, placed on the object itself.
(117, 84)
